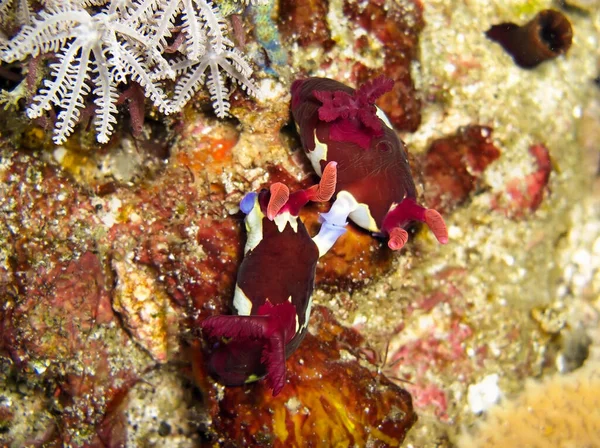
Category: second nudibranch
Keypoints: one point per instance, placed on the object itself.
(273, 293)
(375, 188)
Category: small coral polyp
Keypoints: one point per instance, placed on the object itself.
(273, 294)
(548, 35)
(375, 188)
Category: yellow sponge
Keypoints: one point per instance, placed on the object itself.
(562, 411)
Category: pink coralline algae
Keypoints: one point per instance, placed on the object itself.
(437, 347)
(432, 351)
(51, 330)
(73, 296)
(524, 196)
(375, 188)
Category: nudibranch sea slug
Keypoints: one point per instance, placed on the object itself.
(375, 188)
(275, 281)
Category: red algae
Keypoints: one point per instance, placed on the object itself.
(58, 320)
(304, 21)
(329, 396)
(112, 431)
(46, 211)
(91, 399)
(397, 28)
(71, 295)
(51, 331)
(453, 166)
(196, 276)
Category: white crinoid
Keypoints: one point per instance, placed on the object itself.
(209, 70)
(91, 50)
(209, 55)
(100, 44)
(21, 8)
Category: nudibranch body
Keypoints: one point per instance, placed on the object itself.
(275, 281)
(374, 187)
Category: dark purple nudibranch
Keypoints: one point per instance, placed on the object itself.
(275, 281)
(374, 186)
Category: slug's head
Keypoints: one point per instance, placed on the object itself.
(354, 118)
(350, 115)
(407, 211)
(278, 204)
